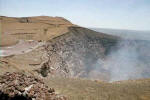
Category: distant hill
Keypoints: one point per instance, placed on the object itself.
(127, 34)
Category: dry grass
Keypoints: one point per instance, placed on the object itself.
(41, 27)
(81, 89)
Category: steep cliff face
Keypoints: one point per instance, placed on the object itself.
(75, 53)
(87, 54)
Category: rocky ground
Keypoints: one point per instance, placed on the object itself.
(17, 85)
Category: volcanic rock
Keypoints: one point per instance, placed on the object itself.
(15, 85)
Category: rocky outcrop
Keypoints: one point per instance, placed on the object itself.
(74, 54)
(24, 20)
(18, 86)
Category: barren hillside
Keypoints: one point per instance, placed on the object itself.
(31, 28)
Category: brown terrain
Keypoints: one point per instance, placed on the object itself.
(31, 28)
(62, 55)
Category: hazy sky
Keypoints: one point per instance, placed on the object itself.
(122, 14)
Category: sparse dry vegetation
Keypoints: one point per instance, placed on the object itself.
(82, 89)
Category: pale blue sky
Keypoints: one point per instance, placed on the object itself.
(120, 14)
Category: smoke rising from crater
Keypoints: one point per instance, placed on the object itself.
(123, 63)
(129, 61)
